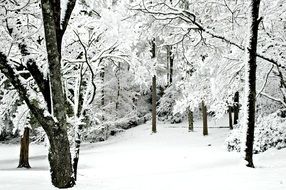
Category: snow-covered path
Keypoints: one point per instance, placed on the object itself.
(138, 160)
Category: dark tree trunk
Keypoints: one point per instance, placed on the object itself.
(251, 80)
(230, 118)
(117, 74)
(190, 120)
(236, 108)
(102, 74)
(60, 158)
(205, 119)
(154, 101)
(170, 65)
(118, 94)
(154, 90)
(24, 150)
(59, 154)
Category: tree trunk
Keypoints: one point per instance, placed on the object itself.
(205, 119)
(170, 65)
(154, 101)
(24, 150)
(230, 118)
(117, 74)
(190, 120)
(154, 89)
(76, 151)
(60, 158)
(59, 153)
(102, 74)
(250, 88)
(236, 108)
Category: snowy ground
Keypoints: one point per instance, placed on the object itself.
(172, 159)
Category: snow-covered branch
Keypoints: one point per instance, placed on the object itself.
(32, 102)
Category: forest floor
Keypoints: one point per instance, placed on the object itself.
(171, 159)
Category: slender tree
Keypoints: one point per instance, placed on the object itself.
(154, 89)
(102, 74)
(250, 88)
(205, 119)
(185, 5)
(230, 118)
(190, 120)
(236, 108)
(170, 64)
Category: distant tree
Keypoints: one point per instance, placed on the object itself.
(236, 108)
(190, 120)
(230, 123)
(205, 119)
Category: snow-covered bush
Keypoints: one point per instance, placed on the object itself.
(166, 106)
(270, 132)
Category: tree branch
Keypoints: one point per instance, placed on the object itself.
(33, 104)
(67, 14)
(42, 83)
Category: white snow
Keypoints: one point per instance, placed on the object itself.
(171, 159)
(64, 5)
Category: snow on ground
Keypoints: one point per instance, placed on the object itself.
(171, 159)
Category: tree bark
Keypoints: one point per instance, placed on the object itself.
(205, 119)
(190, 120)
(60, 158)
(24, 150)
(230, 118)
(250, 89)
(59, 154)
(236, 108)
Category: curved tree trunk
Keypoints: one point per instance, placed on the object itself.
(24, 150)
